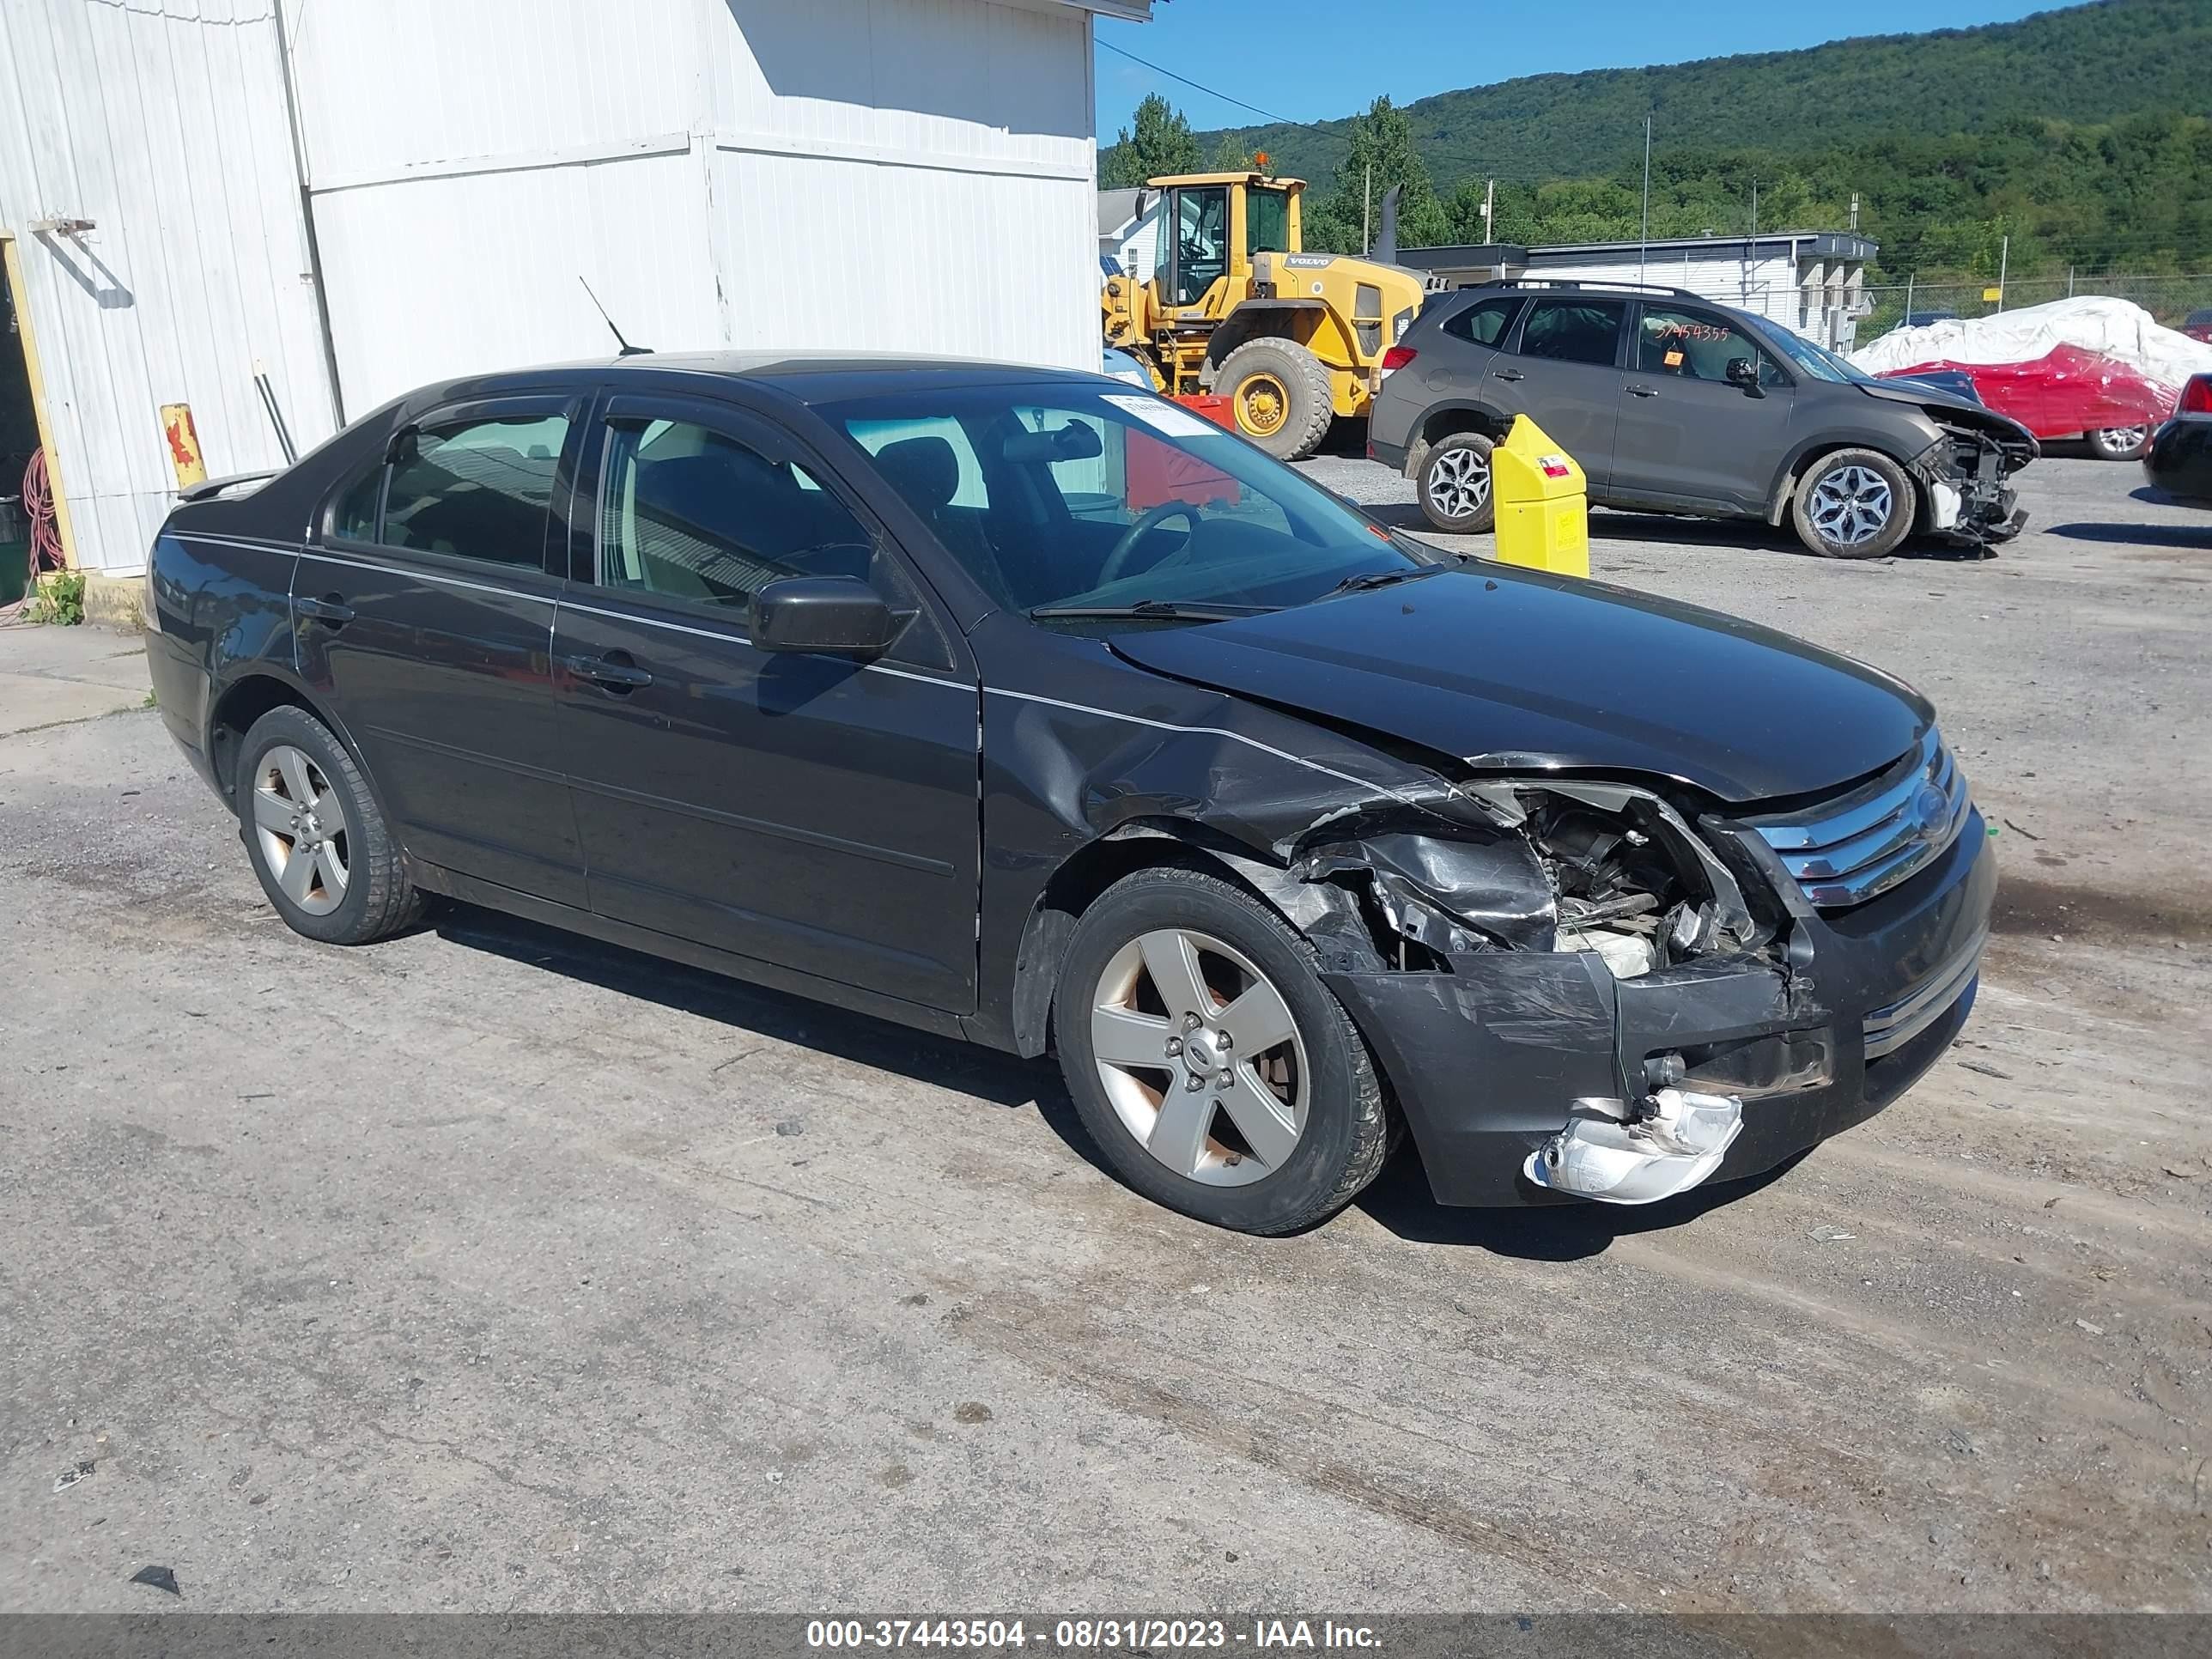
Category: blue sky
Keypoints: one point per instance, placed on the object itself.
(1297, 58)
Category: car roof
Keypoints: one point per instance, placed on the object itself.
(806, 377)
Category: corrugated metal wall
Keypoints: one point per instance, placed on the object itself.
(164, 123)
(870, 174)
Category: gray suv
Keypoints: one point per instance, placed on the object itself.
(1673, 404)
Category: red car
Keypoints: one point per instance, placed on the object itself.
(2069, 392)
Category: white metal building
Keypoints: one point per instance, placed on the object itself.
(1812, 281)
(1131, 239)
(358, 195)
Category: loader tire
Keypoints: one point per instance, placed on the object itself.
(1279, 393)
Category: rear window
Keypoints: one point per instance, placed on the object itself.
(1573, 331)
(476, 490)
(1484, 323)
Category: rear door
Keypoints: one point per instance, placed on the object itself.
(1458, 352)
(1561, 369)
(811, 811)
(1687, 433)
(423, 612)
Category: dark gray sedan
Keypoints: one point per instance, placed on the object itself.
(1027, 708)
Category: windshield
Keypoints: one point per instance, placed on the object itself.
(1818, 361)
(1066, 494)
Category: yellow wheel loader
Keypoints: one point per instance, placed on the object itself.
(1238, 309)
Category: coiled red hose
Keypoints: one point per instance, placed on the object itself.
(38, 507)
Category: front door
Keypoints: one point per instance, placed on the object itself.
(423, 609)
(812, 810)
(1687, 433)
(1561, 370)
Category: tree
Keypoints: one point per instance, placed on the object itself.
(1162, 142)
(1229, 154)
(1382, 154)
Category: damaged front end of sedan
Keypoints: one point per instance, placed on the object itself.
(1965, 477)
(1565, 981)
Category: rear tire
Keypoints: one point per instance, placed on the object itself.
(1854, 504)
(1268, 1137)
(1456, 474)
(315, 836)
(2119, 443)
(1279, 395)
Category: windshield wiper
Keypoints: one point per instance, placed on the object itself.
(1172, 609)
(1361, 582)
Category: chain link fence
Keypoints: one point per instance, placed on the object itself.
(2168, 298)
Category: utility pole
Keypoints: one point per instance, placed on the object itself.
(1751, 247)
(1366, 209)
(1644, 240)
(1489, 211)
(2069, 281)
(1855, 210)
(1909, 276)
(2004, 254)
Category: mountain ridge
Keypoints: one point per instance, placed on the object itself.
(2081, 64)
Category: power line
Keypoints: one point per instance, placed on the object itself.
(1281, 120)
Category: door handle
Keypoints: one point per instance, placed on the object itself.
(1643, 391)
(607, 671)
(329, 610)
(1510, 375)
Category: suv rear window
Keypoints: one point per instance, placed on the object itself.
(1573, 331)
(1484, 323)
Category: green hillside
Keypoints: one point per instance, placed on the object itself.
(2085, 64)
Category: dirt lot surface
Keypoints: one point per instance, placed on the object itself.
(490, 1269)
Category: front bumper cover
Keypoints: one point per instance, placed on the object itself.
(1488, 1059)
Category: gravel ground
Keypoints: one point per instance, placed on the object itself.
(489, 1269)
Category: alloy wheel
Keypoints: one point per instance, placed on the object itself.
(1459, 483)
(1852, 505)
(1200, 1057)
(301, 824)
(2122, 438)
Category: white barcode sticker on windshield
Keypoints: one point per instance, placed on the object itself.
(1172, 419)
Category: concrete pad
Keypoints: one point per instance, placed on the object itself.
(30, 701)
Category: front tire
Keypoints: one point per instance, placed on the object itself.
(1854, 504)
(1215, 1072)
(1279, 393)
(2119, 443)
(315, 836)
(1455, 485)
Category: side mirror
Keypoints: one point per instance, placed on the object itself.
(1743, 372)
(838, 614)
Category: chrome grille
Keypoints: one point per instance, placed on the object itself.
(1851, 849)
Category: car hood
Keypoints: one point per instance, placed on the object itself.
(1511, 671)
(1947, 405)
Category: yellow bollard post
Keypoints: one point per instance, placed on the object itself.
(184, 440)
(1543, 504)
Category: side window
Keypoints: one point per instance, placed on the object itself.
(687, 513)
(1484, 323)
(1267, 221)
(1573, 331)
(354, 518)
(476, 490)
(1694, 345)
